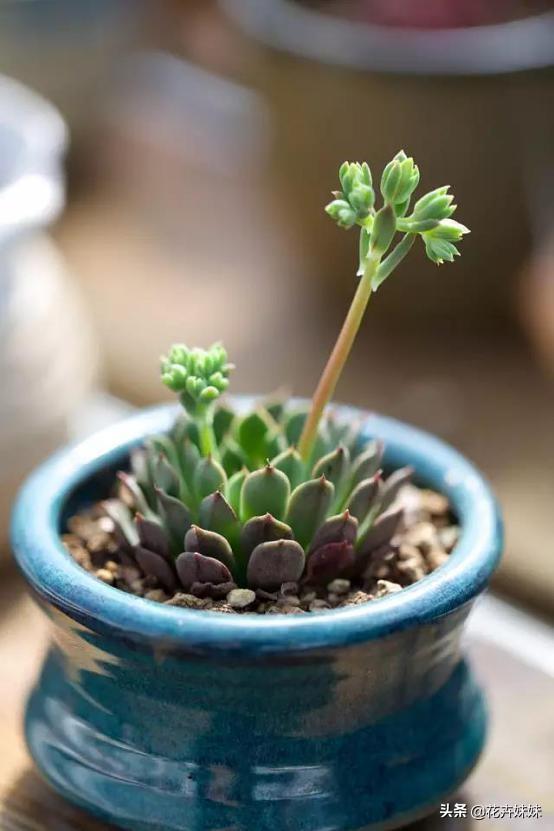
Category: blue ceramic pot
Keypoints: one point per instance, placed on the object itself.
(164, 719)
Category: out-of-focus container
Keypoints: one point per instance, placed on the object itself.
(340, 89)
(47, 358)
(67, 50)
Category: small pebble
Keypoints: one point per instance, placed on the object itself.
(222, 606)
(241, 598)
(289, 588)
(189, 601)
(449, 536)
(436, 558)
(385, 587)
(357, 598)
(339, 586)
(434, 503)
(318, 605)
(157, 594)
(411, 570)
(289, 600)
(137, 586)
(105, 575)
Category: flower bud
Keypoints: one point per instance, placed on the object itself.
(437, 204)
(341, 211)
(399, 180)
(448, 229)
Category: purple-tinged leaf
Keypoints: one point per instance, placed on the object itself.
(262, 529)
(131, 494)
(381, 532)
(175, 515)
(125, 531)
(364, 497)
(210, 544)
(156, 566)
(193, 567)
(273, 563)
(329, 561)
(394, 484)
(152, 536)
(340, 528)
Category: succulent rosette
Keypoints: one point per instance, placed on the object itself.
(251, 512)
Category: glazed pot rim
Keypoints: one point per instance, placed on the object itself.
(58, 579)
(498, 48)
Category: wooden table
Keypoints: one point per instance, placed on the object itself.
(513, 656)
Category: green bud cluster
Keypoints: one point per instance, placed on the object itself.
(430, 218)
(399, 180)
(260, 516)
(353, 204)
(200, 376)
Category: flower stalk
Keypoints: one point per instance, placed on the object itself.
(353, 206)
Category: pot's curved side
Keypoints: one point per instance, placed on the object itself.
(158, 718)
(368, 737)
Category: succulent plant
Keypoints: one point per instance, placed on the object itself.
(259, 515)
(277, 495)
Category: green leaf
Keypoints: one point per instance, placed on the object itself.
(383, 231)
(333, 466)
(209, 476)
(264, 491)
(291, 464)
(215, 514)
(210, 544)
(252, 433)
(262, 529)
(308, 506)
(234, 489)
(176, 518)
(294, 424)
(165, 476)
(364, 497)
(222, 421)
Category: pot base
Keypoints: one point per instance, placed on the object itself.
(227, 777)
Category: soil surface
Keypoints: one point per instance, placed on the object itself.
(424, 542)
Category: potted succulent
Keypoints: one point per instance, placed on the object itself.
(256, 616)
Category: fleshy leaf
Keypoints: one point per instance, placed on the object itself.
(381, 532)
(333, 466)
(252, 434)
(131, 494)
(273, 563)
(308, 507)
(152, 536)
(340, 528)
(210, 544)
(209, 476)
(291, 464)
(164, 475)
(393, 485)
(262, 529)
(122, 518)
(264, 491)
(222, 421)
(193, 567)
(234, 489)
(367, 463)
(156, 566)
(364, 497)
(176, 516)
(215, 514)
(329, 561)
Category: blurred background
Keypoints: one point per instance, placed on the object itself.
(204, 138)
